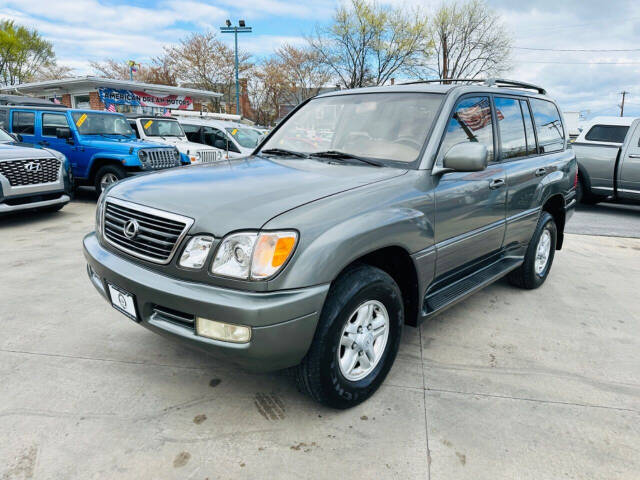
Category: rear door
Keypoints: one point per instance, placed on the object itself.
(523, 166)
(23, 122)
(629, 169)
(470, 206)
(49, 124)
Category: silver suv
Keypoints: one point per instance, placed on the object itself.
(363, 211)
(32, 178)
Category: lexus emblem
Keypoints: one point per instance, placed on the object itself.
(33, 167)
(130, 229)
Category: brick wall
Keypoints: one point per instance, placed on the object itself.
(66, 99)
(95, 102)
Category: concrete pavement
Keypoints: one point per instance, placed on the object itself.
(508, 384)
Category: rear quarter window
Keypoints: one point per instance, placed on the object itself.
(549, 126)
(607, 133)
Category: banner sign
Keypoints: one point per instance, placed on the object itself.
(143, 99)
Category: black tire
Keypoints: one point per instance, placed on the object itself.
(319, 374)
(526, 275)
(583, 195)
(115, 170)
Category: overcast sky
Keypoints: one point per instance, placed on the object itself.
(83, 30)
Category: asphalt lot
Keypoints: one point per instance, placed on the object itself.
(607, 219)
(508, 384)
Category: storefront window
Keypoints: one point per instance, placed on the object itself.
(81, 101)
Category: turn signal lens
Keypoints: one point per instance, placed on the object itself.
(272, 250)
(196, 252)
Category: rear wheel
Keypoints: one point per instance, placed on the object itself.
(539, 257)
(356, 340)
(108, 175)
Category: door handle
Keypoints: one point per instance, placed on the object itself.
(496, 183)
(541, 171)
(634, 155)
(44, 143)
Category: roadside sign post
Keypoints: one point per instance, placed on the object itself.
(242, 28)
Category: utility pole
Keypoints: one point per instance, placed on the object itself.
(241, 28)
(624, 94)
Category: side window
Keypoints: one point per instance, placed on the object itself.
(513, 141)
(3, 118)
(548, 125)
(528, 127)
(607, 133)
(192, 132)
(134, 127)
(51, 122)
(23, 122)
(471, 122)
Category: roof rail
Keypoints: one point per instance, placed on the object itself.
(501, 82)
(489, 82)
(445, 81)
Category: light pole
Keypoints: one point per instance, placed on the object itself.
(241, 28)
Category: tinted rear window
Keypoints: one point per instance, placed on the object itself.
(607, 133)
(548, 125)
(24, 122)
(512, 135)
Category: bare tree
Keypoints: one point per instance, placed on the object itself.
(470, 40)
(203, 61)
(268, 86)
(158, 72)
(304, 71)
(52, 71)
(367, 44)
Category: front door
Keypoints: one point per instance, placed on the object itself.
(629, 172)
(470, 206)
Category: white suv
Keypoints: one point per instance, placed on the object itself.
(167, 130)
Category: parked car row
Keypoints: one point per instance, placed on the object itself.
(99, 148)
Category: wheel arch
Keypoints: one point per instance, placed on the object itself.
(398, 264)
(555, 206)
(101, 161)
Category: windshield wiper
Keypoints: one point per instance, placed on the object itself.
(284, 152)
(344, 155)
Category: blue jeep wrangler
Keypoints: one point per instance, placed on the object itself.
(100, 146)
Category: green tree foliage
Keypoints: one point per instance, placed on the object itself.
(23, 53)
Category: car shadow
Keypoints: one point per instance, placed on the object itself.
(617, 208)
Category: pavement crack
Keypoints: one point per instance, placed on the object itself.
(424, 403)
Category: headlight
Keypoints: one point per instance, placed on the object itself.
(254, 255)
(176, 153)
(195, 157)
(142, 155)
(196, 252)
(99, 208)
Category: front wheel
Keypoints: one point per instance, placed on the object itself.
(108, 175)
(356, 340)
(539, 257)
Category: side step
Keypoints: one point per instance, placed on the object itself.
(445, 297)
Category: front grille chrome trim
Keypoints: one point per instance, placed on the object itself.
(135, 250)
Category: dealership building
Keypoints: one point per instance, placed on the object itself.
(125, 96)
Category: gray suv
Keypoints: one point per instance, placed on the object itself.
(363, 211)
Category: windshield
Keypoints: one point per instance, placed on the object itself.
(384, 126)
(161, 128)
(5, 137)
(101, 124)
(246, 137)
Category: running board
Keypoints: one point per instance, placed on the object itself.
(439, 300)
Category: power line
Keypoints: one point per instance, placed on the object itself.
(578, 49)
(580, 63)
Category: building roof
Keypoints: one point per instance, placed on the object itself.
(26, 101)
(90, 82)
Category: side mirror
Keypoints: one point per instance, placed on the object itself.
(64, 133)
(466, 157)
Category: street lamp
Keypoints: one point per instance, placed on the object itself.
(241, 28)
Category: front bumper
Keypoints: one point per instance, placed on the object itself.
(9, 205)
(283, 322)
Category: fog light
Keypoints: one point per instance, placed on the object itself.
(222, 331)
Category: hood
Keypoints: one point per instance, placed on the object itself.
(11, 151)
(123, 143)
(184, 145)
(244, 193)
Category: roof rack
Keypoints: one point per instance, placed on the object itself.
(489, 82)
